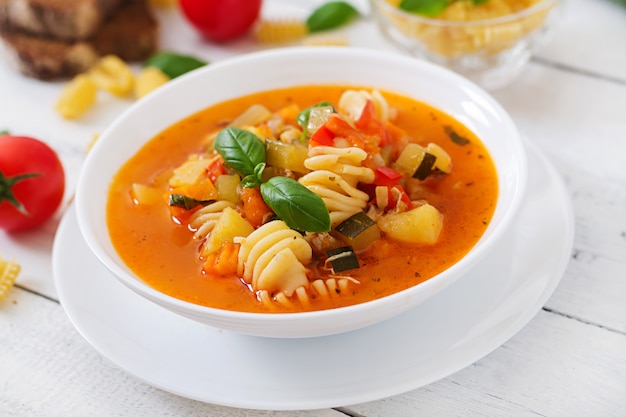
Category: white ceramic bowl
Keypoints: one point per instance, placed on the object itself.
(285, 67)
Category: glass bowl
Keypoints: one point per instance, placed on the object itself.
(491, 51)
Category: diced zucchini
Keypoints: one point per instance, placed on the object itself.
(443, 162)
(358, 230)
(422, 224)
(415, 161)
(229, 226)
(289, 156)
(425, 167)
(226, 186)
(410, 158)
(319, 116)
(342, 259)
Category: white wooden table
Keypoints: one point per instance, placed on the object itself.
(570, 360)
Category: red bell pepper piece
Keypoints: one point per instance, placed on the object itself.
(322, 137)
(387, 176)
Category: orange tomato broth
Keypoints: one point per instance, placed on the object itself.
(165, 256)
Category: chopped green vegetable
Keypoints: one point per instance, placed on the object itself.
(430, 8)
(182, 201)
(283, 155)
(342, 259)
(455, 137)
(425, 167)
(424, 7)
(358, 230)
(331, 15)
(174, 65)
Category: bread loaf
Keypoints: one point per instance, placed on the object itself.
(131, 33)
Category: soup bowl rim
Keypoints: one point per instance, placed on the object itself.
(91, 197)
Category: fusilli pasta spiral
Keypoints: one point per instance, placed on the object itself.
(272, 259)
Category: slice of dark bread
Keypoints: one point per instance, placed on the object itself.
(69, 20)
(131, 33)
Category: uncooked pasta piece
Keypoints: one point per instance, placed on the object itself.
(9, 270)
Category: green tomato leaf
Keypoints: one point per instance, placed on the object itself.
(241, 149)
(330, 16)
(428, 8)
(296, 205)
(173, 64)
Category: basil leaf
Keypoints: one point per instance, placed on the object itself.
(250, 181)
(331, 15)
(173, 64)
(479, 2)
(182, 201)
(296, 205)
(428, 8)
(241, 149)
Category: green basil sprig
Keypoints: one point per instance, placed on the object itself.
(242, 149)
(182, 201)
(330, 16)
(173, 64)
(430, 8)
(299, 207)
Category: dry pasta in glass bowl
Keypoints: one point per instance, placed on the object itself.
(488, 41)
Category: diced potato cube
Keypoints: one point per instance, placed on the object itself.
(422, 224)
(410, 159)
(229, 226)
(358, 231)
(227, 188)
(252, 116)
(289, 156)
(190, 172)
(443, 162)
(145, 195)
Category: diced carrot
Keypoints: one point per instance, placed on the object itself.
(254, 208)
(289, 114)
(223, 262)
(201, 191)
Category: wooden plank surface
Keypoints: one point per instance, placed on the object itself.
(569, 361)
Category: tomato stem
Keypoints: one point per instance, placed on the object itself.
(6, 192)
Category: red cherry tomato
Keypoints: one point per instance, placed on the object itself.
(221, 20)
(32, 182)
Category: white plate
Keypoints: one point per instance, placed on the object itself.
(459, 326)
